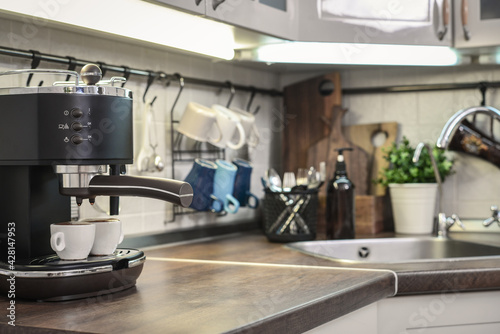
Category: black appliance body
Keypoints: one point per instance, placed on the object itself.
(57, 142)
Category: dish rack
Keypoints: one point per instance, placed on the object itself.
(185, 156)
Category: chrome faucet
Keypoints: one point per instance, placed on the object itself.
(444, 223)
(495, 217)
(450, 129)
(451, 126)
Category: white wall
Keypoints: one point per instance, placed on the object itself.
(143, 215)
(476, 184)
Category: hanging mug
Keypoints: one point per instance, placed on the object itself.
(230, 124)
(248, 122)
(242, 184)
(223, 187)
(200, 123)
(201, 179)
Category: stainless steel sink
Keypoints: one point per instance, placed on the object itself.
(395, 250)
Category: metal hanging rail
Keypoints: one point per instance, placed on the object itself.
(29, 54)
(421, 88)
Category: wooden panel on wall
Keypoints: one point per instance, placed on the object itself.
(307, 117)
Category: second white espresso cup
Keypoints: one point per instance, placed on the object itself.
(108, 235)
(72, 240)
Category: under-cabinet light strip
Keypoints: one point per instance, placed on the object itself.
(352, 54)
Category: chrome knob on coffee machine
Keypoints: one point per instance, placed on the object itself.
(57, 142)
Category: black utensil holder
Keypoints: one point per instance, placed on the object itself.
(281, 223)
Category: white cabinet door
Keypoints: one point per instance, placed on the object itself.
(476, 23)
(446, 313)
(363, 321)
(273, 17)
(195, 6)
(413, 22)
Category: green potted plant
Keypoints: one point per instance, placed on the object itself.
(412, 186)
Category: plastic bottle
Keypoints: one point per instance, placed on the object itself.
(340, 202)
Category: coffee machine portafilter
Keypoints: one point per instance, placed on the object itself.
(56, 143)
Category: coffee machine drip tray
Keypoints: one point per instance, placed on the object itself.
(49, 278)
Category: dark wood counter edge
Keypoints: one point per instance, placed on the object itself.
(448, 281)
(318, 312)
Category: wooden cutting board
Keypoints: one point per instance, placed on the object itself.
(361, 135)
(326, 150)
(356, 160)
(308, 111)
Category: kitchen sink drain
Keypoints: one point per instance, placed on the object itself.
(363, 252)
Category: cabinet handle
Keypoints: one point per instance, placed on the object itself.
(445, 18)
(197, 2)
(465, 19)
(216, 3)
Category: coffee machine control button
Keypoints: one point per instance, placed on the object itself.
(76, 112)
(77, 126)
(76, 139)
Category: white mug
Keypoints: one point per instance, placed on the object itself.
(248, 121)
(72, 240)
(230, 124)
(200, 123)
(108, 235)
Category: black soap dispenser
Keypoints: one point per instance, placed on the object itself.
(340, 202)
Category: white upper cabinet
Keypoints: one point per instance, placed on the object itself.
(476, 23)
(411, 22)
(195, 6)
(277, 18)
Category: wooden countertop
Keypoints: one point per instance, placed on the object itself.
(244, 283)
(413, 278)
(213, 287)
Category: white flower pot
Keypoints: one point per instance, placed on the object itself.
(413, 207)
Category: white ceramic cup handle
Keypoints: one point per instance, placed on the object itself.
(241, 142)
(57, 241)
(255, 138)
(213, 141)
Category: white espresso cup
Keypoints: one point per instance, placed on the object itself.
(108, 235)
(72, 240)
(200, 123)
(230, 124)
(248, 121)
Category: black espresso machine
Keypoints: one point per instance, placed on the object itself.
(69, 140)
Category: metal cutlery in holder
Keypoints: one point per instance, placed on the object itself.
(290, 216)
